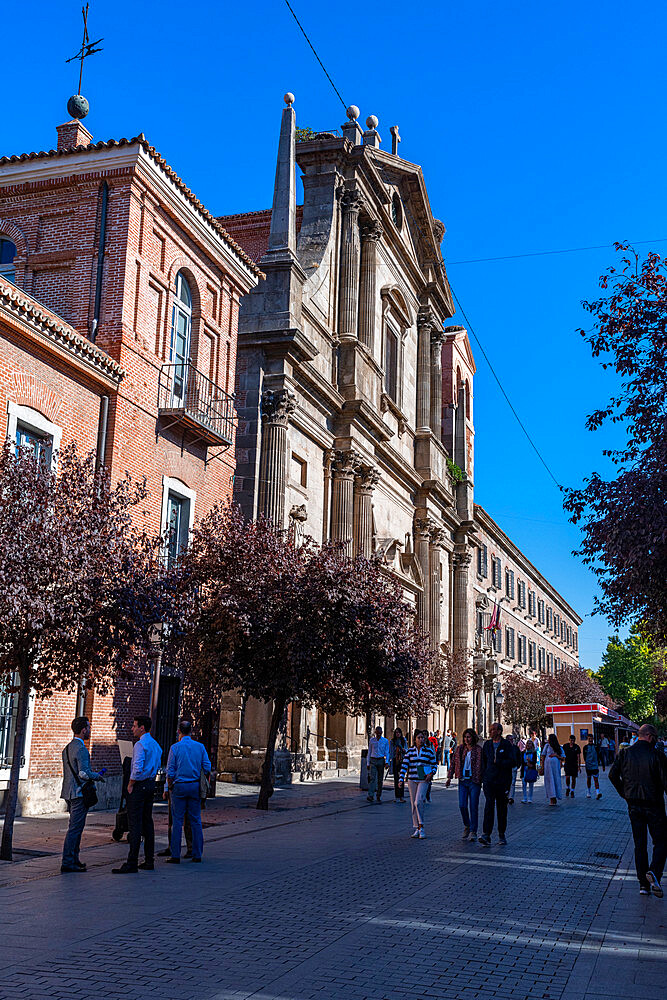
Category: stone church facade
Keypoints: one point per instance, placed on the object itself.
(354, 397)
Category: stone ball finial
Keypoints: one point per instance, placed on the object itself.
(353, 112)
(78, 106)
(289, 99)
(372, 121)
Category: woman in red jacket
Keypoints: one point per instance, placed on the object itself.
(467, 766)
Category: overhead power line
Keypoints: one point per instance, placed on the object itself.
(312, 47)
(547, 253)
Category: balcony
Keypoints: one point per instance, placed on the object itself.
(189, 399)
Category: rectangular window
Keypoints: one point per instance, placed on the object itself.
(391, 364)
(509, 582)
(509, 642)
(541, 658)
(496, 572)
(498, 640)
(531, 603)
(550, 619)
(8, 717)
(522, 594)
(522, 649)
(178, 526)
(531, 655)
(556, 625)
(550, 663)
(482, 560)
(575, 640)
(557, 665)
(540, 612)
(299, 470)
(40, 444)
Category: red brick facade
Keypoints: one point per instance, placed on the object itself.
(52, 207)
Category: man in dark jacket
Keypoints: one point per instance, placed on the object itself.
(639, 775)
(498, 761)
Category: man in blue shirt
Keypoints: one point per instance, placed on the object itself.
(146, 761)
(187, 761)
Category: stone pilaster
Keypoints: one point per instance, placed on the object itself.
(343, 470)
(425, 327)
(437, 537)
(461, 563)
(277, 405)
(364, 484)
(348, 308)
(423, 528)
(437, 338)
(371, 234)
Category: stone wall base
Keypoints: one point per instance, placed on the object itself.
(41, 796)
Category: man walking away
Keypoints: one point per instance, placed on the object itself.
(187, 760)
(146, 760)
(378, 758)
(572, 752)
(592, 767)
(639, 775)
(498, 761)
(76, 772)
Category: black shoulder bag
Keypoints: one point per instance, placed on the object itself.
(88, 790)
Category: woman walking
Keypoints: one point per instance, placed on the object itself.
(467, 767)
(528, 771)
(552, 757)
(397, 747)
(419, 766)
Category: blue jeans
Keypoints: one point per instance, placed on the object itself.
(77, 821)
(469, 798)
(186, 798)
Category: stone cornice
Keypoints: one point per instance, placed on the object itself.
(29, 317)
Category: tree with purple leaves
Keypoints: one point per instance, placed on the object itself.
(285, 622)
(81, 588)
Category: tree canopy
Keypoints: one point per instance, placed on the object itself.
(624, 519)
(628, 674)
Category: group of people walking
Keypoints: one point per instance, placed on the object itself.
(188, 771)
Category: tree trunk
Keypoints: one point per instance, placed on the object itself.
(13, 790)
(266, 785)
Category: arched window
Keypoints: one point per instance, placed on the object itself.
(7, 255)
(181, 328)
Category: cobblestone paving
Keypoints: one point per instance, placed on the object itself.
(347, 905)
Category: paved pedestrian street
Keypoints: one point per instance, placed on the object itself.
(345, 904)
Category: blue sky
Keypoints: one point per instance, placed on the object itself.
(538, 127)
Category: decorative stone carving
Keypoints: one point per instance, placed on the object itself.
(372, 231)
(365, 482)
(278, 405)
(298, 513)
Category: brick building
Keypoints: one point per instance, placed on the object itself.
(119, 300)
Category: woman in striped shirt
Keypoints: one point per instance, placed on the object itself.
(419, 766)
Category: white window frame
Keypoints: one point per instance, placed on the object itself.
(23, 772)
(179, 489)
(34, 421)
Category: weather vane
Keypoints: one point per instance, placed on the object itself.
(77, 105)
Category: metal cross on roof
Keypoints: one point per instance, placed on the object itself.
(87, 47)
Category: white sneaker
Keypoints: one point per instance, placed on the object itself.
(415, 834)
(588, 794)
(524, 802)
(422, 835)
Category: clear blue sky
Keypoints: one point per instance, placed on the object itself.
(538, 127)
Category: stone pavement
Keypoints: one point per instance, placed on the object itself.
(339, 903)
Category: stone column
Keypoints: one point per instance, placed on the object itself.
(425, 327)
(348, 308)
(437, 337)
(364, 484)
(461, 563)
(277, 405)
(371, 233)
(423, 526)
(344, 467)
(436, 540)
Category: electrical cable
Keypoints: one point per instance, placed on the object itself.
(312, 47)
(546, 253)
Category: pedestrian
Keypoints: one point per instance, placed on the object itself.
(592, 767)
(515, 768)
(146, 761)
(186, 763)
(498, 761)
(639, 775)
(378, 756)
(78, 791)
(467, 767)
(438, 752)
(418, 767)
(572, 768)
(552, 758)
(447, 747)
(537, 744)
(528, 772)
(397, 747)
(604, 752)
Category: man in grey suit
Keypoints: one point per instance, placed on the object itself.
(76, 771)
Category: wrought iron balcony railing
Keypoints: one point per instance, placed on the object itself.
(196, 402)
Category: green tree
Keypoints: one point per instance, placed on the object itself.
(628, 674)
